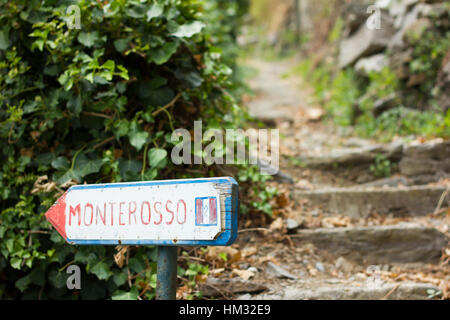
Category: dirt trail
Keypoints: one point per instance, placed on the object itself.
(339, 232)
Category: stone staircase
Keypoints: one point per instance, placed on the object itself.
(414, 233)
(400, 224)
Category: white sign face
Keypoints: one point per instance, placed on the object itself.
(159, 212)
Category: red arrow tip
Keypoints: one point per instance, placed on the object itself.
(56, 215)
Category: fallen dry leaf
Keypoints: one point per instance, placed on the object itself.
(217, 271)
(243, 274)
(277, 225)
(312, 271)
(183, 292)
(213, 254)
(248, 252)
(315, 113)
(119, 257)
(268, 258)
(304, 185)
(282, 200)
(336, 222)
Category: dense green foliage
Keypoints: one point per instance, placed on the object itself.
(416, 96)
(99, 104)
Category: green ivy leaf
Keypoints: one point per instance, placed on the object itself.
(163, 54)
(136, 11)
(75, 105)
(157, 158)
(88, 39)
(85, 256)
(58, 278)
(123, 295)
(138, 139)
(121, 44)
(101, 270)
(153, 280)
(10, 245)
(129, 169)
(22, 283)
(4, 39)
(60, 163)
(155, 11)
(136, 265)
(84, 165)
(15, 263)
(69, 175)
(123, 72)
(189, 29)
(150, 174)
(120, 278)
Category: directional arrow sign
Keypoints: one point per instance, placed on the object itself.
(170, 212)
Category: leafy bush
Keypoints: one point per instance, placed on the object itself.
(382, 167)
(350, 98)
(98, 104)
(341, 91)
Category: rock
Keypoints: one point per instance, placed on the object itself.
(215, 287)
(399, 8)
(284, 177)
(320, 267)
(374, 63)
(416, 79)
(443, 84)
(398, 40)
(400, 243)
(384, 104)
(416, 30)
(348, 291)
(291, 224)
(253, 269)
(355, 142)
(365, 42)
(426, 158)
(436, 10)
(359, 156)
(399, 63)
(246, 296)
(278, 271)
(361, 203)
(386, 182)
(267, 168)
(355, 14)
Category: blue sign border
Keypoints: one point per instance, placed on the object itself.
(226, 238)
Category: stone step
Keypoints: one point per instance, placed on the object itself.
(421, 162)
(323, 290)
(360, 203)
(345, 157)
(400, 243)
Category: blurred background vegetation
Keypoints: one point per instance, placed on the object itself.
(386, 82)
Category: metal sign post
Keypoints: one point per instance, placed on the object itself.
(166, 273)
(169, 213)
